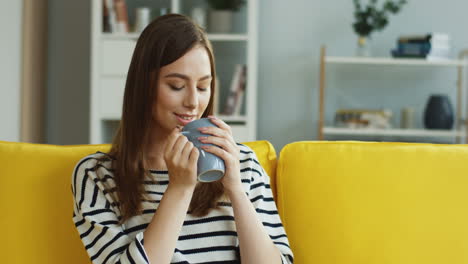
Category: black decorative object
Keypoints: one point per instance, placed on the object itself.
(438, 113)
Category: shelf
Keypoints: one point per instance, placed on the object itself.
(392, 132)
(212, 37)
(110, 117)
(459, 133)
(228, 37)
(394, 61)
(120, 36)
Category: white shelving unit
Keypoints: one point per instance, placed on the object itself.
(459, 132)
(111, 54)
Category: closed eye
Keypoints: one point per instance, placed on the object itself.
(173, 87)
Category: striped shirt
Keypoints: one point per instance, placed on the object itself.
(208, 239)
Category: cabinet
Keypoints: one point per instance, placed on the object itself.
(458, 133)
(111, 54)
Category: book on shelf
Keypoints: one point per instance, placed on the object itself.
(414, 48)
(106, 27)
(235, 98)
(240, 97)
(115, 16)
(433, 46)
(111, 18)
(121, 16)
(431, 38)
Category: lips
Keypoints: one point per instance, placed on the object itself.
(184, 119)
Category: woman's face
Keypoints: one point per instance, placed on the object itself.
(183, 90)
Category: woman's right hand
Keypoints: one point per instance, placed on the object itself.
(181, 158)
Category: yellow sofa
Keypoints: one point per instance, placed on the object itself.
(340, 202)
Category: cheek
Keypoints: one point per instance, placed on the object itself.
(167, 100)
(204, 100)
(159, 106)
(165, 108)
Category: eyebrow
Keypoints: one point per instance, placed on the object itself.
(185, 77)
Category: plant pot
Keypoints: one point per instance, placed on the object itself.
(438, 113)
(220, 21)
(363, 47)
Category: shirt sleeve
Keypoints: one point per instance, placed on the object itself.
(261, 197)
(98, 223)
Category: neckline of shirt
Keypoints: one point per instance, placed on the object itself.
(157, 173)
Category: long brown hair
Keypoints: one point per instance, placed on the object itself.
(162, 42)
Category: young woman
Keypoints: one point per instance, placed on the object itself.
(141, 202)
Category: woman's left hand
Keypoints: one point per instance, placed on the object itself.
(228, 151)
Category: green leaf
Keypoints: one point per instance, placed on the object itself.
(371, 18)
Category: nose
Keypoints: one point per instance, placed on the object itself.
(191, 98)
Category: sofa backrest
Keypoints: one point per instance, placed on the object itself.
(36, 201)
(362, 202)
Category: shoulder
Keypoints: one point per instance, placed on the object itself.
(93, 160)
(93, 177)
(248, 156)
(249, 162)
(245, 151)
(95, 165)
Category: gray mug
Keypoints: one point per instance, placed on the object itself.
(210, 167)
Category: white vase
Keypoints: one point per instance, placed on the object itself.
(363, 47)
(199, 16)
(143, 17)
(220, 21)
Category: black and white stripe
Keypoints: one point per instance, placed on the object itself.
(208, 239)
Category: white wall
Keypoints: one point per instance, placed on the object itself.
(10, 69)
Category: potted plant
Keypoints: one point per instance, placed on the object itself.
(371, 18)
(220, 17)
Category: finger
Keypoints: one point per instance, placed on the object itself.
(175, 134)
(184, 156)
(194, 154)
(224, 143)
(215, 131)
(179, 146)
(217, 151)
(220, 123)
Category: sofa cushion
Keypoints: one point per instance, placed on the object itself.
(36, 203)
(362, 202)
(36, 200)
